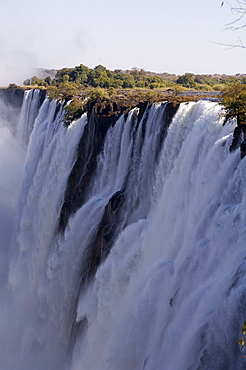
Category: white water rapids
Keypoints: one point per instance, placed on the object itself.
(170, 294)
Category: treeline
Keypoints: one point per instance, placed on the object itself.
(81, 84)
(83, 77)
(208, 82)
(100, 76)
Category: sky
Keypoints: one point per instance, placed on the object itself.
(173, 36)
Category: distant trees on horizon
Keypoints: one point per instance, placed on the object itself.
(83, 77)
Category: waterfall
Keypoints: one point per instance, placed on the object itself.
(122, 245)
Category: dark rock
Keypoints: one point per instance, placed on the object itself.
(11, 102)
(243, 149)
(239, 138)
(105, 236)
(13, 95)
(84, 167)
(100, 119)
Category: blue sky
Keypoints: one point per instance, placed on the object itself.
(173, 36)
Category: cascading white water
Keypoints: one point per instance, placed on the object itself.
(11, 165)
(29, 111)
(170, 293)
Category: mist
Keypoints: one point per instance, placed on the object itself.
(11, 171)
(15, 67)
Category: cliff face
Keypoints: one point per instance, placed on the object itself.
(12, 96)
(100, 119)
(11, 101)
(239, 138)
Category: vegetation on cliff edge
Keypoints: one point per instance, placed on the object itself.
(234, 101)
(85, 77)
(81, 85)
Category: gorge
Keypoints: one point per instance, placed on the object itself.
(122, 238)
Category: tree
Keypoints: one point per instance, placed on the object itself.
(74, 110)
(239, 9)
(187, 80)
(65, 78)
(48, 80)
(97, 94)
(27, 82)
(65, 91)
(36, 81)
(61, 73)
(128, 82)
(234, 101)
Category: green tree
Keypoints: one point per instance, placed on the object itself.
(111, 91)
(234, 101)
(97, 94)
(65, 78)
(74, 110)
(48, 80)
(65, 91)
(27, 82)
(37, 81)
(203, 79)
(128, 82)
(59, 74)
(186, 80)
(80, 74)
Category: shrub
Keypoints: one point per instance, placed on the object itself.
(74, 110)
(187, 80)
(234, 101)
(97, 94)
(111, 91)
